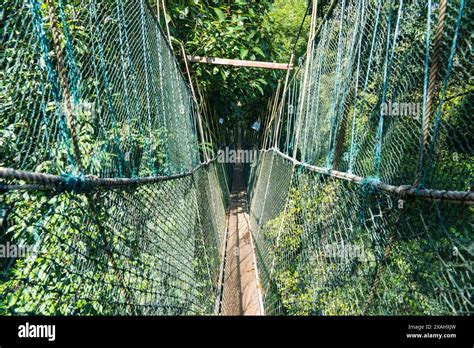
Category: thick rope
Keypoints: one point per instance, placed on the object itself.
(403, 191)
(434, 68)
(82, 183)
(445, 83)
(64, 85)
(432, 84)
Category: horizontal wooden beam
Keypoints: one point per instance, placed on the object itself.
(239, 63)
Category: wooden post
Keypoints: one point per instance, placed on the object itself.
(199, 118)
(305, 79)
(264, 124)
(158, 14)
(272, 116)
(167, 26)
(280, 108)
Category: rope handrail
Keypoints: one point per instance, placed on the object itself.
(403, 191)
(82, 182)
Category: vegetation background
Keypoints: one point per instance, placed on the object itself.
(250, 30)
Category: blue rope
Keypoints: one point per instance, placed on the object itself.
(355, 145)
(64, 136)
(387, 72)
(146, 58)
(329, 157)
(74, 183)
(287, 137)
(73, 73)
(368, 187)
(132, 72)
(346, 79)
(110, 105)
(354, 114)
(134, 171)
(158, 35)
(321, 52)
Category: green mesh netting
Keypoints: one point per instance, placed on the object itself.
(114, 73)
(376, 90)
(385, 99)
(128, 222)
(91, 90)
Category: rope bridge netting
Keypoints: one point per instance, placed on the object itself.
(101, 179)
(362, 203)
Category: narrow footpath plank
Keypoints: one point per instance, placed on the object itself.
(240, 288)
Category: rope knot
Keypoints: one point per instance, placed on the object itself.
(370, 183)
(403, 191)
(74, 183)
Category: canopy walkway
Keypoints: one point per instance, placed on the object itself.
(360, 201)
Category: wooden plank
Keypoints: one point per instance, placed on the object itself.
(240, 63)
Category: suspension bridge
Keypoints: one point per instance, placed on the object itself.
(357, 204)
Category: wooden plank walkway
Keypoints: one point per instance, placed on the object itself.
(241, 293)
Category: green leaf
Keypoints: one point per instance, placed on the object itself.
(219, 13)
(259, 88)
(259, 51)
(167, 18)
(11, 300)
(224, 74)
(243, 53)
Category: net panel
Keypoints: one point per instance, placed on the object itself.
(327, 246)
(110, 69)
(383, 107)
(388, 93)
(91, 90)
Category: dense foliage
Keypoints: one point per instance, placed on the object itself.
(249, 30)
